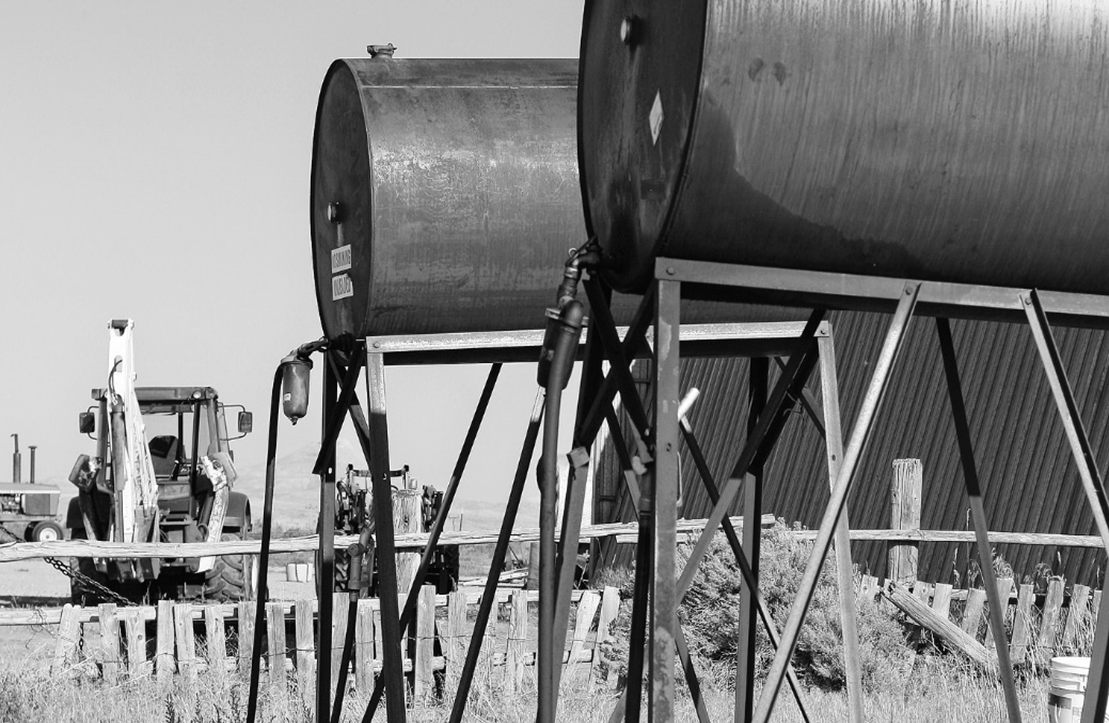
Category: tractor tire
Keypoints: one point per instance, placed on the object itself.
(80, 592)
(230, 579)
(342, 570)
(46, 531)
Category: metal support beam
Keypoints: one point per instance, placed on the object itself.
(409, 613)
(333, 416)
(845, 573)
(978, 513)
(752, 538)
(886, 359)
(1097, 691)
(664, 596)
(771, 421)
(500, 551)
(745, 570)
(392, 658)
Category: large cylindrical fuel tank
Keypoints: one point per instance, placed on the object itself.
(445, 194)
(952, 140)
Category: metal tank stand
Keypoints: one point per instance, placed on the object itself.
(649, 461)
(903, 298)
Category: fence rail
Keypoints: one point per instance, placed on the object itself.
(184, 638)
(15, 551)
(1041, 623)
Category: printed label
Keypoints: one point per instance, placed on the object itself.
(341, 287)
(655, 118)
(340, 259)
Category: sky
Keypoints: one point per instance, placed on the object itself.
(154, 165)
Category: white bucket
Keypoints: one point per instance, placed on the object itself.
(299, 572)
(1067, 689)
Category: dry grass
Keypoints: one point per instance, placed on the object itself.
(933, 688)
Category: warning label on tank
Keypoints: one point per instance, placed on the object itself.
(340, 259)
(341, 287)
(656, 118)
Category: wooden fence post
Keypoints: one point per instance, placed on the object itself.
(972, 612)
(1076, 618)
(275, 632)
(1004, 591)
(1053, 604)
(109, 642)
(135, 628)
(905, 495)
(340, 611)
(583, 622)
(517, 648)
(364, 648)
(425, 645)
(610, 609)
(215, 638)
(456, 641)
(305, 652)
(69, 634)
(186, 640)
(407, 518)
(246, 635)
(163, 661)
(1022, 624)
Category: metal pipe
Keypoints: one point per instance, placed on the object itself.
(32, 448)
(17, 461)
(873, 399)
(978, 513)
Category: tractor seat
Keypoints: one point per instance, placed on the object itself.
(163, 451)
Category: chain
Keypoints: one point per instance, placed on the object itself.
(76, 575)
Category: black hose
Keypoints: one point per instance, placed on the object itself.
(264, 558)
(562, 362)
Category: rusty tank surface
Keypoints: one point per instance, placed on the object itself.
(938, 140)
(445, 193)
(445, 197)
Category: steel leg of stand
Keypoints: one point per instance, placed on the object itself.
(633, 694)
(752, 536)
(890, 349)
(392, 658)
(487, 599)
(409, 612)
(833, 440)
(978, 513)
(1097, 691)
(664, 598)
(568, 553)
(332, 415)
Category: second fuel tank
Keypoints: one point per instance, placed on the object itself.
(444, 195)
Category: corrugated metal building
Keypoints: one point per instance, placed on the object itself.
(1029, 478)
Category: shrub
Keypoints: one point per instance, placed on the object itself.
(709, 614)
